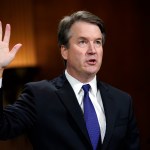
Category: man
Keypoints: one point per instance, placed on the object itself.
(54, 113)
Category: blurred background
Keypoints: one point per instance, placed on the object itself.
(126, 52)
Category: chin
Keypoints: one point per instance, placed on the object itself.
(92, 73)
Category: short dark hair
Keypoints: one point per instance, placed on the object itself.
(66, 23)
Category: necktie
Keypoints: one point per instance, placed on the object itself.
(90, 118)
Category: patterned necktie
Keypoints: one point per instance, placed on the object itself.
(90, 118)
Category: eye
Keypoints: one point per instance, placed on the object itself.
(98, 43)
(82, 43)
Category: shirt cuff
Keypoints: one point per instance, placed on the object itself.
(0, 82)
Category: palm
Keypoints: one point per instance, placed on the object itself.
(6, 55)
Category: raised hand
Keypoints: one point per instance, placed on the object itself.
(6, 55)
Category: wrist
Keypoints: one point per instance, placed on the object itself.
(1, 72)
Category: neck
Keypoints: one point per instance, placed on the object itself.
(83, 78)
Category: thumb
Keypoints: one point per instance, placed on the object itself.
(15, 49)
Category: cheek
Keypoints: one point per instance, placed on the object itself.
(76, 57)
(76, 54)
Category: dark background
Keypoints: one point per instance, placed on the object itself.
(126, 52)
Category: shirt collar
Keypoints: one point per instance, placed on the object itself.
(76, 84)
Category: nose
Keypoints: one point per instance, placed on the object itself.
(91, 48)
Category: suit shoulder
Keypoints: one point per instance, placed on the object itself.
(51, 84)
(114, 90)
(118, 96)
(37, 83)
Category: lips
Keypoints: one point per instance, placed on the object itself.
(91, 61)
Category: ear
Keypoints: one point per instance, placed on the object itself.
(64, 52)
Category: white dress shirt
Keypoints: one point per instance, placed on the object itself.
(0, 82)
(95, 97)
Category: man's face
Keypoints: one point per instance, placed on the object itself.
(84, 53)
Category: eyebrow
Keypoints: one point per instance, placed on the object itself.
(86, 38)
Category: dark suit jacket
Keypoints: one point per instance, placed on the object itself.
(49, 113)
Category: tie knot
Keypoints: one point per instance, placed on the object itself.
(86, 88)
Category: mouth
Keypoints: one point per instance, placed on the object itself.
(91, 61)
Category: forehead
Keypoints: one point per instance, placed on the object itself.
(84, 29)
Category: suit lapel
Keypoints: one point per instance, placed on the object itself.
(67, 96)
(110, 113)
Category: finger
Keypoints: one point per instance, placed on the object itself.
(0, 30)
(15, 49)
(7, 34)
